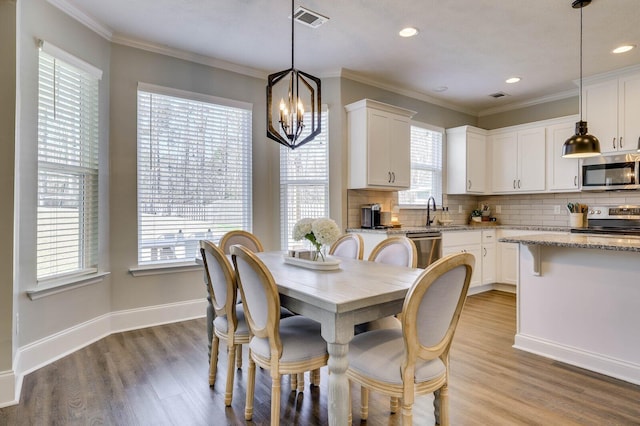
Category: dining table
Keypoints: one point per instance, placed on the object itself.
(356, 292)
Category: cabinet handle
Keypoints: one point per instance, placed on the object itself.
(614, 143)
(389, 180)
(470, 181)
(518, 183)
(514, 184)
(485, 251)
(394, 176)
(621, 144)
(575, 181)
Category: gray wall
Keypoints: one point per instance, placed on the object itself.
(7, 144)
(44, 317)
(559, 108)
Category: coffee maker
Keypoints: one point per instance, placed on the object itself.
(370, 216)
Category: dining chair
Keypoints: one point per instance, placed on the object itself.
(399, 251)
(414, 360)
(244, 238)
(290, 345)
(348, 245)
(229, 324)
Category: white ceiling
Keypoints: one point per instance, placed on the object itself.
(470, 46)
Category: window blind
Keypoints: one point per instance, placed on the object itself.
(194, 173)
(304, 183)
(426, 166)
(68, 126)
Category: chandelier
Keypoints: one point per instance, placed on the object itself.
(287, 122)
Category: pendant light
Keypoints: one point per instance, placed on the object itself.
(581, 144)
(286, 119)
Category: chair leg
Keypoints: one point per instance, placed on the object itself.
(228, 394)
(436, 405)
(300, 387)
(213, 361)
(393, 404)
(294, 381)
(407, 413)
(239, 356)
(251, 384)
(316, 377)
(350, 419)
(275, 399)
(444, 405)
(364, 403)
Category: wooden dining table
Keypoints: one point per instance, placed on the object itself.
(356, 292)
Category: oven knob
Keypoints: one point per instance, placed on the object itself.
(598, 212)
(592, 211)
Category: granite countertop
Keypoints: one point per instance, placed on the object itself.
(439, 228)
(592, 241)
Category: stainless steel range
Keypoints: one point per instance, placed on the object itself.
(614, 220)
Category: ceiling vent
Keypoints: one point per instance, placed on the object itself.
(309, 17)
(498, 95)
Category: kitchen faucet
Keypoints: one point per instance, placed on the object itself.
(429, 220)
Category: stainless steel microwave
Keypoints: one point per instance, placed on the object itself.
(610, 173)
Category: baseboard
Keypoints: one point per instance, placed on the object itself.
(8, 389)
(612, 367)
(51, 348)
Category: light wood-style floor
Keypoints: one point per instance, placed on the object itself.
(158, 376)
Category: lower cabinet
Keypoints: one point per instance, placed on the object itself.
(465, 242)
(507, 259)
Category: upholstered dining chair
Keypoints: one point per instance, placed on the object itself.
(399, 251)
(414, 360)
(244, 238)
(348, 245)
(229, 323)
(290, 345)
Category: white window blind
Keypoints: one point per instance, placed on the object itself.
(194, 172)
(426, 166)
(304, 183)
(67, 215)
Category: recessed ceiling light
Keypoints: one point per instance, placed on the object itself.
(625, 48)
(440, 89)
(408, 32)
(512, 80)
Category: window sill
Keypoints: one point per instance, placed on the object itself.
(59, 286)
(167, 268)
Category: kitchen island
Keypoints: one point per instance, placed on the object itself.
(578, 301)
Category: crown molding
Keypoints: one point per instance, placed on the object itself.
(611, 75)
(351, 75)
(83, 18)
(530, 102)
(188, 56)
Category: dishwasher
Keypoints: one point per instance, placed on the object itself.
(429, 246)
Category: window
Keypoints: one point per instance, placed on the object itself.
(67, 215)
(426, 166)
(304, 183)
(194, 172)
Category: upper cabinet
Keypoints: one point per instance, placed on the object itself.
(518, 160)
(611, 108)
(466, 160)
(563, 174)
(379, 145)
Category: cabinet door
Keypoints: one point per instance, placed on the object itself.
(475, 250)
(505, 162)
(489, 275)
(378, 131)
(400, 152)
(508, 260)
(600, 110)
(531, 160)
(563, 173)
(629, 113)
(476, 163)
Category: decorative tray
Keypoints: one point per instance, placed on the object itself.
(329, 264)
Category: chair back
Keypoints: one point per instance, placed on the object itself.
(259, 295)
(243, 238)
(220, 281)
(348, 245)
(433, 305)
(400, 251)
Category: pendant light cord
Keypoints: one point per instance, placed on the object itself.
(580, 95)
(292, 44)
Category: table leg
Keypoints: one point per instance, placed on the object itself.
(338, 384)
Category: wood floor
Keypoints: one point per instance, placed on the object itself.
(158, 376)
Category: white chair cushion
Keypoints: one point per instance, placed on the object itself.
(379, 354)
(300, 337)
(222, 325)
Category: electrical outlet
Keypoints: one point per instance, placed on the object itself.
(498, 209)
(556, 209)
(460, 208)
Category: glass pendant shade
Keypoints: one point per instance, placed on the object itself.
(581, 144)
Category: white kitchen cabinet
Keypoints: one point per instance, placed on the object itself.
(489, 258)
(611, 109)
(465, 242)
(466, 160)
(379, 145)
(518, 160)
(563, 174)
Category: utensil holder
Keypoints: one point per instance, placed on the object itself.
(576, 220)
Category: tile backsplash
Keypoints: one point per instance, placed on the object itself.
(525, 209)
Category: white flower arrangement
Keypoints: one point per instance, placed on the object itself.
(317, 231)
